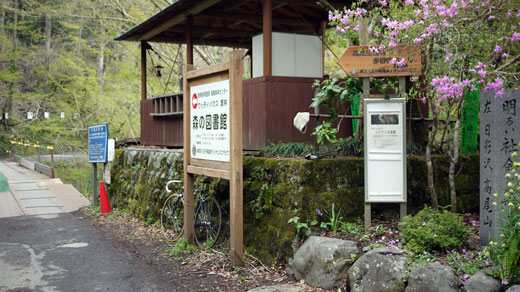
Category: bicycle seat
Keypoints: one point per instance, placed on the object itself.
(175, 181)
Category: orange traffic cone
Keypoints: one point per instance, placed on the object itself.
(103, 199)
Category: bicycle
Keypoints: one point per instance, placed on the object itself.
(208, 217)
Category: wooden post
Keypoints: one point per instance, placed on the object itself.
(236, 169)
(267, 31)
(189, 40)
(144, 45)
(94, 182)
(189, 178)
(402, 90)
(323, 46)
(368, 217)
(366, 93)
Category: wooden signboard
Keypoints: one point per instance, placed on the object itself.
(359, 61)
(213, 139)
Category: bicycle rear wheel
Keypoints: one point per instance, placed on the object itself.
(172, 217)
(208, 222)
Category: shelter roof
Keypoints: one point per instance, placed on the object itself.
(230, 23)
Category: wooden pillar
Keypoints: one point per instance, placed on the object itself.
(189, 40)
(236, 241)
(189, 178)
(323, 46)
(144, 46)
(267, 31)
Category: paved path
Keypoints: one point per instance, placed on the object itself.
(46, 245)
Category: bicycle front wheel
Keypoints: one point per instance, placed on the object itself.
(172, 217)
(208, 222)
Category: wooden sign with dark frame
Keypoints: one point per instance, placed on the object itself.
(229, 164)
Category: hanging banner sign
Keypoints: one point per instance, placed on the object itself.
(97, 143)
(209, 116)
(469, 130)
(370, 61)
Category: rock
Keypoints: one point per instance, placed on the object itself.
(515, 288)
(322, 261)
(278, 288)
(482, 282)
(432, 278)
(381, 269)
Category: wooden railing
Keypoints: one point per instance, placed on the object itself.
(167, 105)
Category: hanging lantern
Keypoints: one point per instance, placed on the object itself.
(158, 70)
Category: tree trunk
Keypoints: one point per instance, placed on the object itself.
(15, 21)
(101, 59)
(80, 35)
(363, 40)
(429, 147)
(48, 29)
(3, 24)
(454, 153)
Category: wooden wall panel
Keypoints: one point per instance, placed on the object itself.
(160, 131)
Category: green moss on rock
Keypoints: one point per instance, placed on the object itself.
(296, 186)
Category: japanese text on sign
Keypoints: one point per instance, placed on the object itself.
(97, 143)
(499, 124)
(209, 116)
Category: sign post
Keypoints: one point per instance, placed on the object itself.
(384, 120)
(213, 140)
(97, 152)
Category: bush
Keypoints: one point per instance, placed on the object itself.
(433, 230)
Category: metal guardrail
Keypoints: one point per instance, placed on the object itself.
(19, 155)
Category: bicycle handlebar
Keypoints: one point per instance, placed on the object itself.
(175, 181)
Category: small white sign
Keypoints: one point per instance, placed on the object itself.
(6, 116)
(385, 152)
(209, 119)
(46, 115)
(62, 115)
(111, 149)
(29, 115)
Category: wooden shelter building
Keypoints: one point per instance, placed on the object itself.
(285, 40)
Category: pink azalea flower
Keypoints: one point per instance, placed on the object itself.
(497, 49)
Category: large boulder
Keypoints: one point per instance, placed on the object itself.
(432, 278)
(381, 269)
(482, 282)
(278, 288)
(322, 261)
(515, 288)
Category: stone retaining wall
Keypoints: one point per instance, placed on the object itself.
(278, 189)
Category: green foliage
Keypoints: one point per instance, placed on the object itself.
(349, 147)
(77, 173)
(331, 96)
(263, 203)
(505, 250)
(433, 230)
(351, 228)
(299, 225)
(287, 149)
(465, 264)
(335, 221)
(181, 247)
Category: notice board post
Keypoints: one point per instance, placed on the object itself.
(213, 140)
(97, 153)
(384, 121)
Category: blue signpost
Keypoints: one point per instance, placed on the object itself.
(97, 152)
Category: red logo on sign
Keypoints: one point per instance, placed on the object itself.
(194, 101)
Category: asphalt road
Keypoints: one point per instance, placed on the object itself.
(46, 245)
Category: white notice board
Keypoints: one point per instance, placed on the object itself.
(385, 150)
(209, 116)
